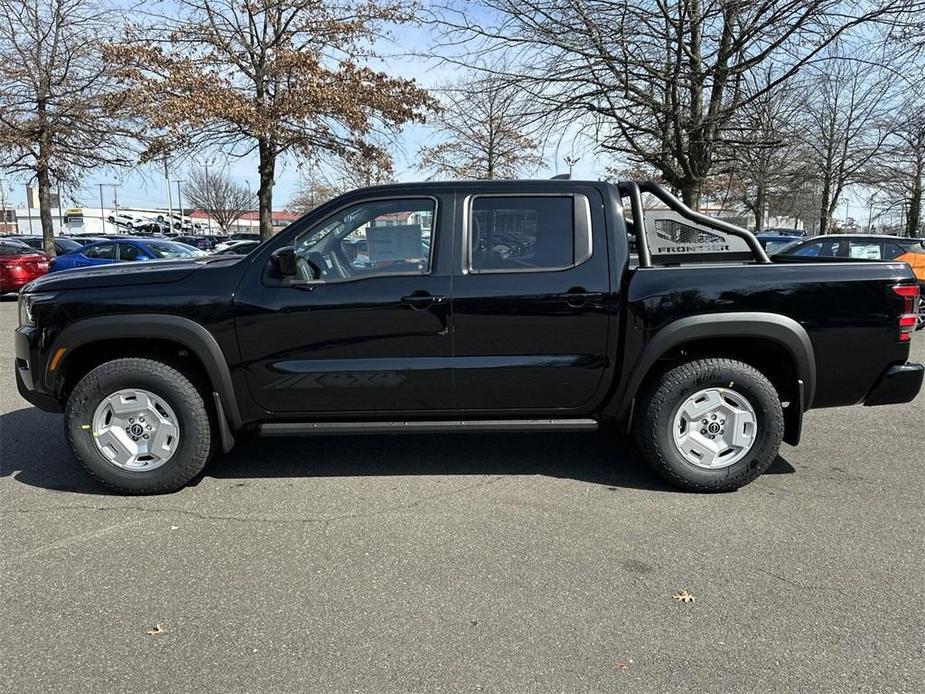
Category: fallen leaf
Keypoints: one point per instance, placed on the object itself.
(683, 596)
(158, 629)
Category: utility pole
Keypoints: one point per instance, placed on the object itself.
(102, 212)
(169, 199)
(206, 166)
(115, 198)
(60, 210)
(3, 192)
(180, 203)
(29, 209)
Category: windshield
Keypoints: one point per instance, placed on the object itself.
(773, 247)
(169, 249)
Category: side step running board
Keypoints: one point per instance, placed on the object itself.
(419, 427)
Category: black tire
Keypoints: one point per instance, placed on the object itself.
(656, 417)
(196, 432)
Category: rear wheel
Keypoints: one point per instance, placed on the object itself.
(139, 426)
(710, 425)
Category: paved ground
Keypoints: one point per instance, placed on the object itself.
(466, 563)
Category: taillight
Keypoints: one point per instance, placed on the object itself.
(908, 319)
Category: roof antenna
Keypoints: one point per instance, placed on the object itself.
(561, 177)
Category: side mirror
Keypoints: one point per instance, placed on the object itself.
(283, 261)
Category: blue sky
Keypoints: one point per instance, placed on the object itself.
(146, 186)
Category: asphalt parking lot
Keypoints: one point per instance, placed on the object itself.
(463, 563)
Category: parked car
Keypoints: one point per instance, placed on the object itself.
(775, 243)
(866, 247)
(123, 250)
(128, 220)
(522, 314)
(62, 245)
(178, 221)
(19, 265)
(235, 247)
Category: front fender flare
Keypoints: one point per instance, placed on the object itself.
(183, 331)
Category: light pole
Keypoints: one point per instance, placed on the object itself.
(206, 165)
(29, 209)
(570, 161)
(180, 202)
(169, 199)
(102, 211)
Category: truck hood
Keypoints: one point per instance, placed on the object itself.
(124, 274)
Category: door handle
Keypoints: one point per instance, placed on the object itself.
(419, 301)
(576, 297)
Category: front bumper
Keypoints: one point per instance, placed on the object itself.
(27, 377)
(897, 384)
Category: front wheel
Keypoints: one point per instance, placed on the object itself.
(710, 425)
(139, 426)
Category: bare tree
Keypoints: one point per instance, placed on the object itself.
(844, 127)
(216, 193)
(900, 170)
(60, 109)
(659, 82)
(763, 145)
(268, 76)
(486, 126)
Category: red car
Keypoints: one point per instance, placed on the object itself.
(19, 265)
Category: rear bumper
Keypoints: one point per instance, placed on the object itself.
(897, 384)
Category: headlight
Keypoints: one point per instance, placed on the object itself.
(26, 303)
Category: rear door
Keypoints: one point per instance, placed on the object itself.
(530, 325)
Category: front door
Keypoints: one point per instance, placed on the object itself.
(364, 327)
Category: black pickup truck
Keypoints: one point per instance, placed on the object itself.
(468, 306)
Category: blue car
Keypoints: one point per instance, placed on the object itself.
(120, 251)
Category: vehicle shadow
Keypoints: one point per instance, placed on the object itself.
(33, 451)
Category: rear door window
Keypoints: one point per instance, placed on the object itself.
(528, 233)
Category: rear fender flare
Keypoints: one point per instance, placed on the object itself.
(782, 330)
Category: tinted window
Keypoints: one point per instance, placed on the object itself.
(892, 250)
(522, 233)
(825, 249)
(65, 246)
(14, 248)
(128, 252)
(102, 250)
(384, 237)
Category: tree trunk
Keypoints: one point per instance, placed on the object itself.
(690, 194)
(824, 216)
(915, 204)
(48, 228)
(267, 168)
(759, 207)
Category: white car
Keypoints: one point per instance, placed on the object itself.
(128, 220)
(179, 221)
